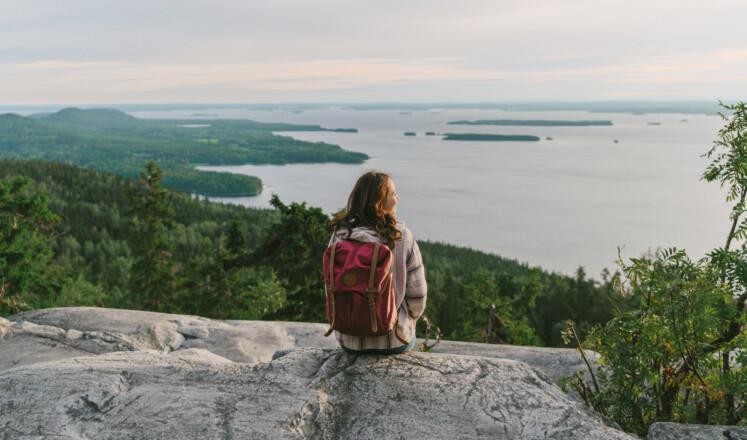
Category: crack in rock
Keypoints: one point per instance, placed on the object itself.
(226, 410)
(483, 374)
(305, 422)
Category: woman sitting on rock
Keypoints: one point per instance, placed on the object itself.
(370, 217)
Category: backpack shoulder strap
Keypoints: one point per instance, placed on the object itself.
(331, 287)
(374, 262)
(372, 291)
(332, 266)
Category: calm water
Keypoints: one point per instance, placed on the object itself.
(557, 203)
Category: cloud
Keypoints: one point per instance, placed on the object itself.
(48, 78)
(53, 81)
(107, 50)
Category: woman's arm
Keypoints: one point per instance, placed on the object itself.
(416, 288)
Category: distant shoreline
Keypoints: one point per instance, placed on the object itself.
(533, 123)
(709, 107)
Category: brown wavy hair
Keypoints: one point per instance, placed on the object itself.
(365, 208)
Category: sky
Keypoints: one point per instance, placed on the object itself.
(247, 51)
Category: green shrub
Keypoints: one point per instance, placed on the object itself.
(681, 355)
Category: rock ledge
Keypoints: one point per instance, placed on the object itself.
(107, 374)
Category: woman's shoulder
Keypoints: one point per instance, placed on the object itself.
(402, 226)
(406, 233)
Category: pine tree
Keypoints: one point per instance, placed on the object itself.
(153, 277)
(25, 252)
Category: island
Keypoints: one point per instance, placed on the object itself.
(410, 133)
(113, 141)
(533, 123)
(490, 137)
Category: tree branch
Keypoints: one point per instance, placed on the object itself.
(735, 221)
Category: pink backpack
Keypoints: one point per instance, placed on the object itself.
(360, 291)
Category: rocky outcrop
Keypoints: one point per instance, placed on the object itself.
(678, 431)
(61, 333)
(110, 374)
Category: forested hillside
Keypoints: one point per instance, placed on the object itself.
(129, 243)
(113, 141)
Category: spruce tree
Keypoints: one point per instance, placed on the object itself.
(153, 276)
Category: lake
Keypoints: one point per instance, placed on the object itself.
(559, 204)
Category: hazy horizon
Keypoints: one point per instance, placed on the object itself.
(632, 106)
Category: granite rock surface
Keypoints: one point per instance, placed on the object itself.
(86, 373)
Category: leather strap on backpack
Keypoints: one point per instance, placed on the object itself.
(331, 287)
(372, 291)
